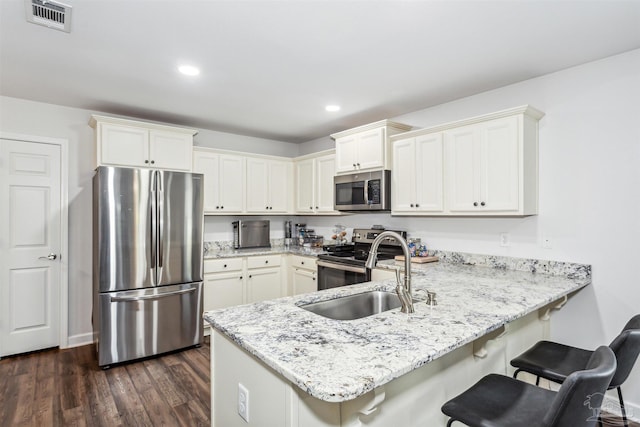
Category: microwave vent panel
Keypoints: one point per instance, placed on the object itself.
(50, 14)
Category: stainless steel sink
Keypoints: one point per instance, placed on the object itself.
(355, 306)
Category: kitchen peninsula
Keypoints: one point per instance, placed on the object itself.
(296, 368)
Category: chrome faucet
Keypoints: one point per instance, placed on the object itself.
(403, 290)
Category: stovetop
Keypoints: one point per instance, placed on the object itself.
(356, 253)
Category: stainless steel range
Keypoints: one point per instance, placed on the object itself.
(344, 264)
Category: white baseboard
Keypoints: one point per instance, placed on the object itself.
(79, 340)
(612, 405)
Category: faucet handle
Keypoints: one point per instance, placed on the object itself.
(431, 298)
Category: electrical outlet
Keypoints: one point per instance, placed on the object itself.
(504, 239)
(546, 242)
(243, 402)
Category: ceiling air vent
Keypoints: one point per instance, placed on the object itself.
(49, 13)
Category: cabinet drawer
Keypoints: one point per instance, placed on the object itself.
(264, 261)
(308, 263)
(221, 265)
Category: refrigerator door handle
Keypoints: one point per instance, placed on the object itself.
(154, 226)
(152, 296)
(160, 221)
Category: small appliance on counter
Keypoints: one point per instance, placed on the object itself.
(251, 234)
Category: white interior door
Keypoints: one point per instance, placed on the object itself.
(30, 246)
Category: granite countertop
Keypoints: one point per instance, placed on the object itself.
(337, 361)
(230, 253)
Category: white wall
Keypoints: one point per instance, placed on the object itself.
(40, 119)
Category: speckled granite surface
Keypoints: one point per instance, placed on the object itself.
(340, 360)
(217, 253)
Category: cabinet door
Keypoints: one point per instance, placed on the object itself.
(304, 281)
(264, 284)
(170, 150)
(403, 196)
(123, 145)
(231, 184)
(222, 290)
(324, 194)
(463, 178)
(257, 185)
(499, 165)
(208, 165)
(279, 186)
(346, 153)
(371, 149)
(305, 186)
(428, 173)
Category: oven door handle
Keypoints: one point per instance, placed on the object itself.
(342, 267)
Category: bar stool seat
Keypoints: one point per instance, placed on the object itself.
(497, 400)
(555, 362)
(551, 360)
(501, 401)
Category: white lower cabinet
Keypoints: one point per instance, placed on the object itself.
(242, 280)
(264, 278)
(303, 274)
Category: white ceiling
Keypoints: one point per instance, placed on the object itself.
(270, 67)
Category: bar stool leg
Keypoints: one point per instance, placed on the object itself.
(624, 413)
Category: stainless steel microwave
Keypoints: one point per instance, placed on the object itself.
(363, 191)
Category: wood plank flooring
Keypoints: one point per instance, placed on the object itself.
(67, 388)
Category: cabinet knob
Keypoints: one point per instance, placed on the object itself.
(475, 203)
(310, 207)
(313, 279)
(354, 165)
(217, 207)
(316, 207)
(221, 207)
(153, 162)
(250, 276)
(411, 205)
(146, 161)
(417, 205)
(302, 263)
(224, 266)
(358, 164)
(482, 204)
(266, 262)
(240, 277)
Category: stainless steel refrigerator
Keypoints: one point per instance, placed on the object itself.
(147, 262)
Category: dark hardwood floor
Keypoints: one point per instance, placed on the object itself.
(67, 388)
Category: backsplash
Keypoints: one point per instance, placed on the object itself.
(553, 268)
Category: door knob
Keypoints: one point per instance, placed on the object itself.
(50, 257)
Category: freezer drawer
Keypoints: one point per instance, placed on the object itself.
(141, 323)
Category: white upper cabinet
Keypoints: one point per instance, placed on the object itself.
(305, 185)
(324, 190)
(269, 186)
(224, 178)
(486, 165)
(418, 175)
(122, 142)
(314, 184)
(366, 147)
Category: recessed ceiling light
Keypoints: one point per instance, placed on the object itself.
(189, 70)
(332, 108)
